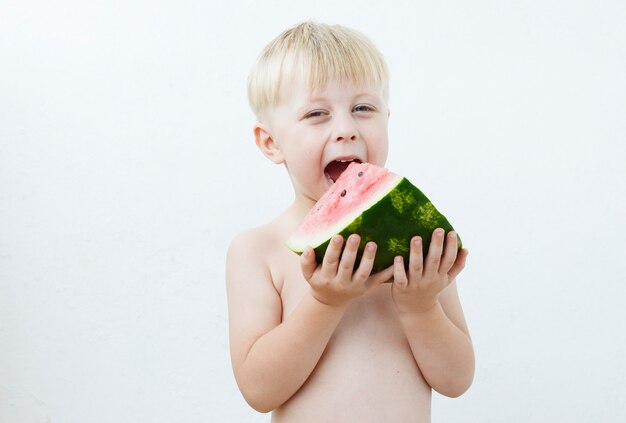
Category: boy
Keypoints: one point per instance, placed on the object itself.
(319, 342)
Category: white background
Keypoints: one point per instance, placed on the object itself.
(127, 165)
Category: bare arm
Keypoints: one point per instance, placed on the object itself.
(442, 350)
(272, 359)
(431, 315)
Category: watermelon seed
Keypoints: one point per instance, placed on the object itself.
(360, 174)
(343, 193)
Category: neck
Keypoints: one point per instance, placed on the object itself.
(298, 210)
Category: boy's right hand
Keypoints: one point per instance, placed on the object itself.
(335, 282)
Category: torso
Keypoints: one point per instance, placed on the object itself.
(367, 372)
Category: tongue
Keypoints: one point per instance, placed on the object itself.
(335, 169)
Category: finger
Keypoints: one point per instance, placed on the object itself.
(366, 264)
(308, 263)
(416, 258)
(348, 257)
(332, 255)
(434, 251)
(383, 276)
(449, 254)
(399, 275)
(459, 264)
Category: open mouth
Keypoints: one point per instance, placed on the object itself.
(335, 168)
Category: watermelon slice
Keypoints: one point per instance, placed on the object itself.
(377, 204)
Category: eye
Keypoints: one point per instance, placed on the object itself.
(364, 108)
(315, 114)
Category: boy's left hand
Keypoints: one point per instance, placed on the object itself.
(418, 289)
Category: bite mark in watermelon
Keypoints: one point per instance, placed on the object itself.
(376, 204)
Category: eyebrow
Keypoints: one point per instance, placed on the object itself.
(365, 93)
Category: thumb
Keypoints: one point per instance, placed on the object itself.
(308, 263)
(380, 277)
(459, 264)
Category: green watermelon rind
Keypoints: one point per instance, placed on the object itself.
(391, 222)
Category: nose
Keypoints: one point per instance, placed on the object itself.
(347, 137)
(345, 129)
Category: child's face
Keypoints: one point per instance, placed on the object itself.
(318, 133)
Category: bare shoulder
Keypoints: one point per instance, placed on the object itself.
(248, 240)
(252, 247)
(248, 255)
(260, 251)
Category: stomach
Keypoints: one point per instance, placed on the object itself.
(366, 374)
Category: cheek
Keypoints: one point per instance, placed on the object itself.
(378, 143)
(304, 157)
(379, 156)
(310, 145)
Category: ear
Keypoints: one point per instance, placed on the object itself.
(266, 144)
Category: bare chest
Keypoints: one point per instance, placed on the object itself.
(367, 363)
(370, 328)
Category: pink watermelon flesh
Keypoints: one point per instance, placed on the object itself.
(356, 190)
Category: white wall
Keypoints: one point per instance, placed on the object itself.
(127, 165)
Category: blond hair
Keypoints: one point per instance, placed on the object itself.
(317, 53)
